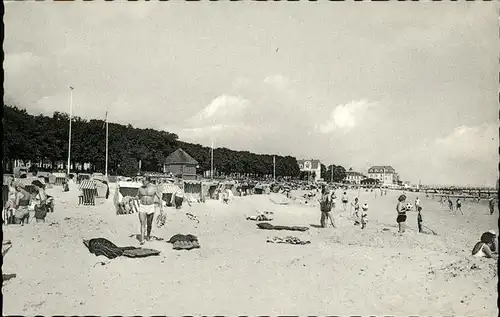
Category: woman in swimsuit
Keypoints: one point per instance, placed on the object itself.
(401, 209)
(486, 247)
(345, 201)
(23, 199)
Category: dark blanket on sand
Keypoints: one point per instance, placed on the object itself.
(184, 242)
(101, 246)
(268, 226)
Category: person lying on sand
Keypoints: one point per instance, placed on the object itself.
(146, 208)
(486, 247)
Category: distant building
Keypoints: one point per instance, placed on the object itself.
(311, 166)
(179, 163)
(385, 174)
(370, 182)
(353, 177)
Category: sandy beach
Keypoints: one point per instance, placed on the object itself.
(343, 270)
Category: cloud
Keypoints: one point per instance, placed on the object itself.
(277, 81)
(222, 109)
(474, 144)
(16, 62)
(346, 116)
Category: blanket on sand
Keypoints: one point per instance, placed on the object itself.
(184, 242)
(268, 226)
(101, 246)
(288, 240)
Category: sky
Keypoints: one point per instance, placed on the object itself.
(411, 85)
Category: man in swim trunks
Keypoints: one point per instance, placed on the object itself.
(146, 208)
(345, 200)
(401, 209)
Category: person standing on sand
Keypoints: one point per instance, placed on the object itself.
(491, 203)
(401, 209)
(364, 215)
(419, 219)
(417, 203)
(355, 209)
(459, 205)
(146, 208)
(326, 204)
(345, 200)
(23, 200)
(450, 204)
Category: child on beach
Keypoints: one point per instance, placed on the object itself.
(419, 219)
(364, 215)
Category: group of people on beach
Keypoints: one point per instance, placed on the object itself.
(21, 202)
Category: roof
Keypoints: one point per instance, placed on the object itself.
(180, 156)
(352, 173)
(315, 164)
(381, 169)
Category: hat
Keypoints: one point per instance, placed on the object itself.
(492, 232)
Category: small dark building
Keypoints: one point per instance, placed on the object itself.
(370, 182)
(179, 163)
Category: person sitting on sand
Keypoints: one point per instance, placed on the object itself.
(401, 209)
(146, 207)
(355, 209)
(23, 200)
(486, 247)
(491, 204)
(345, 200)
(325, 204)
(40, 201)
(364, 215)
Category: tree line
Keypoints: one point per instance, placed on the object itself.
(44, 138)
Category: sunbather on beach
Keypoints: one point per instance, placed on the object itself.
(487, 246)
(146, 208)
(401, 209)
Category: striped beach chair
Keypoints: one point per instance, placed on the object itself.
(88, 189)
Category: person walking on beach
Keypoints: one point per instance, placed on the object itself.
(459, 205)
(345, 200)
(326, 204)
(491, 203)
(450, 204)
(355, 208)
(364, 215)
(417, 203)
(146, 207)
(401, 209)
(41, 201)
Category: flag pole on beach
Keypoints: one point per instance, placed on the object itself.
(212, 162)
(70, 117)
(274, 168)
(106, 165)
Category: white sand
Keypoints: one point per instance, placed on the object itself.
(343, 271)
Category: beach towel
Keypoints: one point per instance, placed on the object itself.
(287, 240)
(101, 246)
(184, 242)
(268, 226)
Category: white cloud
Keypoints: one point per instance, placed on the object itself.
(16, 62)
(478, 143)
(222, 109)
(277, 81)
(346, 116)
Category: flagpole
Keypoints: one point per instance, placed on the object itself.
(106, 166)
(274, 168)
(212, 162)
(70, 116)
